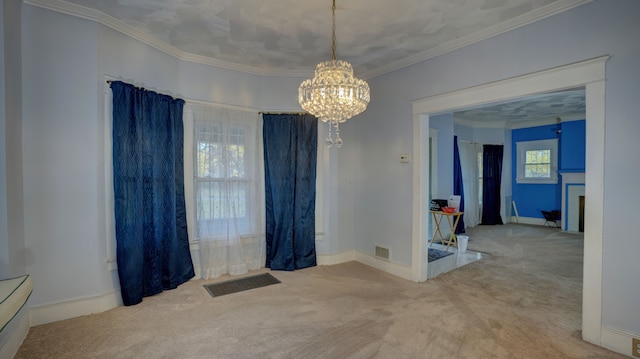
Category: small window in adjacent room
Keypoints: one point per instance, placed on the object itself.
(537, 161)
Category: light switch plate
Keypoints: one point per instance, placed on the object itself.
(404, 157)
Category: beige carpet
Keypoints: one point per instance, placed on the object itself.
(522, 301)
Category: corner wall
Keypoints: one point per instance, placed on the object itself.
(12, 257)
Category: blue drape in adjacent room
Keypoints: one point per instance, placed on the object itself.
(458, 187)
(151, 226)
(491, 180)
(290, 145)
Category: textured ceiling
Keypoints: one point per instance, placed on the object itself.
(544, 109)
(289, 37)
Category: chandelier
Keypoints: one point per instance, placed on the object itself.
(334, 95)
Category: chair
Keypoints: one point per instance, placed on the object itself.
(552, 218)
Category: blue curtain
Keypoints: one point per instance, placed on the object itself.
(290, 143)
(458, 188)
(151, 226)
(491, 178)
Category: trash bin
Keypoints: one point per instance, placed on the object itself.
(462, 243)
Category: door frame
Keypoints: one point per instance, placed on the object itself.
(589, 74)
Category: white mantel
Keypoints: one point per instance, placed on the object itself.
(572, 189)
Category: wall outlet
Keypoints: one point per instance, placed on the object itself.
(404, 157)
(635, 351)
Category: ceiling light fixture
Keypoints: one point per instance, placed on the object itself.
(334, 95)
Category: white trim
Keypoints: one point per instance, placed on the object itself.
(421, 200)
(124, 28)
(110, 220)
(569, 179)
(521, 151)
(336, 258)
(567, 76)
(522, 20)
(74, 308)
(384, 265)
(594, 213)
(381, 264)
(128, 30)
(588, 73)
(618, 340)
(528, 220)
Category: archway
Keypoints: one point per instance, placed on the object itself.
(591, 75)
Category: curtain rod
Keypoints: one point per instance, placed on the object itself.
(142, 87)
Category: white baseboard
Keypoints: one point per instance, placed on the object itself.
(529, 220)
(386, 266)
(337, 258)
(74, 308)
(617, 340)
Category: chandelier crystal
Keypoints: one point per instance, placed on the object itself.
(334, 95)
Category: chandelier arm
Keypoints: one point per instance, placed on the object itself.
(333, 29)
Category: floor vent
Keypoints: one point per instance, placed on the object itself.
(382, 252)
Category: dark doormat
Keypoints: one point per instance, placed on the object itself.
(437, 254)
(241, 284)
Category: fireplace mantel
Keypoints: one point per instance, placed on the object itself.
(572, 190)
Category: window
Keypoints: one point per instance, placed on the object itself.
(223, 159)
(221, 177)
(537, 164)
(537, 161)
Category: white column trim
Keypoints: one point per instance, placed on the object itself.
(589, 74)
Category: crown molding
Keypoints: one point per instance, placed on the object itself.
(480, 124)
(516, 124)
(122, 27)
(126, 29)
(516, 22)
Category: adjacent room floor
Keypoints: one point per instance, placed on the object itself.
(456, 260)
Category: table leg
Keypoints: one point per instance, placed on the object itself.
(436, 223)
(453, 239)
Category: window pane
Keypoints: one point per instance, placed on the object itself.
(221, 182)
(537, 164)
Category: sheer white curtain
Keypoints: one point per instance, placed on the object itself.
(469, 163)
(227, 217)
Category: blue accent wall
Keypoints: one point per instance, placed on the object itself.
(572, 146)
(531, 198)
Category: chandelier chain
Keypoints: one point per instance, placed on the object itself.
(334, 95)
(333, 30)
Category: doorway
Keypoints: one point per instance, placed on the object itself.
(591, 75)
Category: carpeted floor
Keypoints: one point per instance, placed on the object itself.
(522, 301)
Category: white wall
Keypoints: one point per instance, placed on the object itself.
(12, 259)
(591, 30)
(4, 233)
(444, 152)
(60, 156)
(65, 168)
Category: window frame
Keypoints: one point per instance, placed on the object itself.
(522, 147)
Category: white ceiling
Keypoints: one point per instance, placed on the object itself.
(289, 37)
(540, 109)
